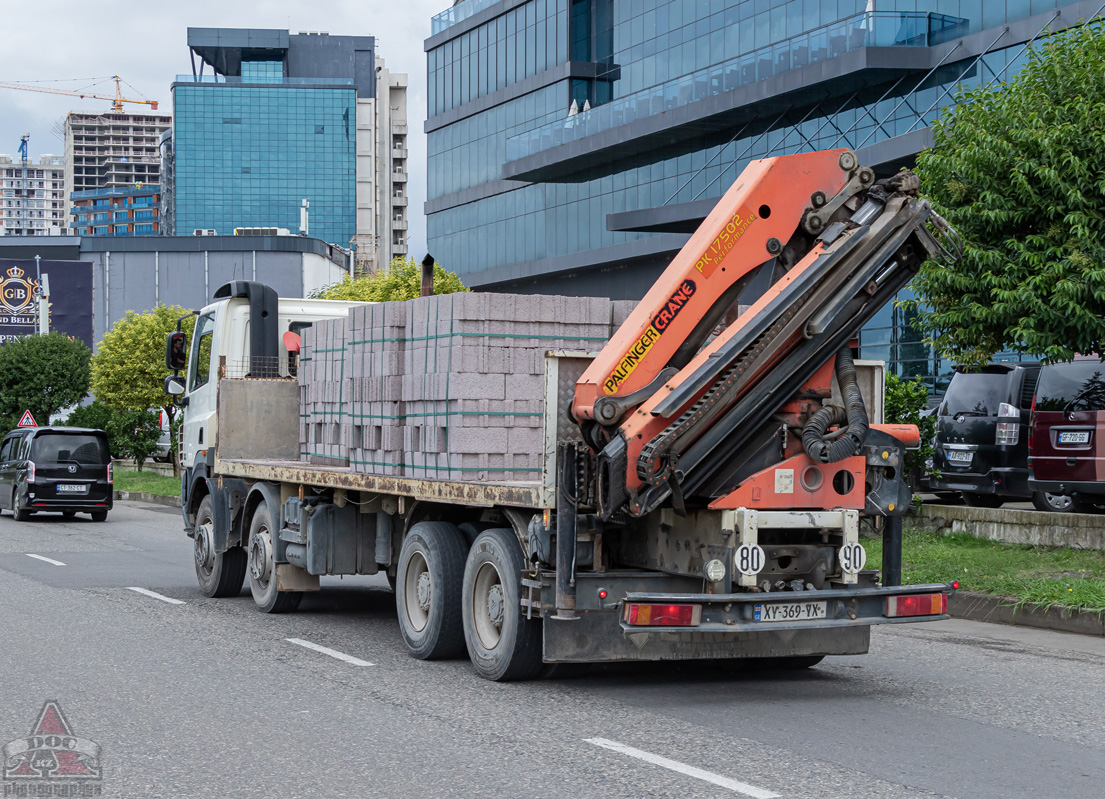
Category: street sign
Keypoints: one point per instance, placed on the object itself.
(27, 420)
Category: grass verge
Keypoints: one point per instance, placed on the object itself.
(147, 483)
(1044, 575)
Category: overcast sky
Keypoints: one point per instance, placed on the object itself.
(145, 43)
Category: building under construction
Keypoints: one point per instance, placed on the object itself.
(112, 150)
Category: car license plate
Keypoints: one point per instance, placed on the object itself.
(1075, 438)
(71, 488)
(959, 456)
(791, 611)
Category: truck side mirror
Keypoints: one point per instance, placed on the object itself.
(174, 385)
(176, 357)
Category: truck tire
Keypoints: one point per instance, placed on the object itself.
(427, 590)
(219, 574)
(262, 567)
(502, 643)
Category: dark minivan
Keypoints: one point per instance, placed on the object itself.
(61, 469)
(1067, 450)
(982, 432)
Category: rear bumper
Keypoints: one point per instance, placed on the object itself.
(80, 504)
(1005, 481)
(1089, 487)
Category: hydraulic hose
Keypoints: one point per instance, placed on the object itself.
(847, 442)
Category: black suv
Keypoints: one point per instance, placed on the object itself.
(982, 431)
(64, 469)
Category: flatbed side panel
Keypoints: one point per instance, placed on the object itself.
(598, 637)
(519, 495)
(242, 402)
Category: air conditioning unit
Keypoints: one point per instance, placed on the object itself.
(205, 231)
(262, 231)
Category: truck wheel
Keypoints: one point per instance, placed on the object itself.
(1052, 503)
(219, 574)
(427, 590)
(502, 642)
(262, 567)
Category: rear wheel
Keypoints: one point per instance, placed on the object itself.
(983, 500)
(19, 510)
(502, 642)
(99, 515)
(262, 567)
(1053, 503)
(427, 590)
(219, 574)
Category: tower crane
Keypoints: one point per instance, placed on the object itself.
(116, 101)
(23, 192)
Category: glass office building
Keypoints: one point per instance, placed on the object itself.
(574, 144)
(275, 124)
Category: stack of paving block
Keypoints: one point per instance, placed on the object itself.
(449, 387)
(325, 390)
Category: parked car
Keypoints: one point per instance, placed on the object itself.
(1066, 450)
(164, 452)
(61, 469)
(982, 433)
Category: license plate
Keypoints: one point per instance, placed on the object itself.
(70, 488)
(791, 611)
(1075, 438)
(959, 456)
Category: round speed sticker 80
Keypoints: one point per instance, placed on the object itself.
(749, 559)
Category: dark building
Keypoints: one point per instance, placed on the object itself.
(573, 145)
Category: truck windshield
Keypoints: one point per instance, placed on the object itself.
(84, 448)
(1076, 386)
(975, 394)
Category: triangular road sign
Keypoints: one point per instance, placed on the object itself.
(27, 420)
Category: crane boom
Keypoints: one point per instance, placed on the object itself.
(116, 101)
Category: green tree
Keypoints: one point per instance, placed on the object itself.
(97, 416)
(403, 281)
(136, 433)
(41, 374)
(905, 399)
(1018, 172)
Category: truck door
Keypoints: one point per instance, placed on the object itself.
(201, 391)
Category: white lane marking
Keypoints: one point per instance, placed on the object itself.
(155, 595)
(683, 768)
(48, 560)
(327, 651)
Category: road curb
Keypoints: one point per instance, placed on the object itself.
(156, 499)
(1005, 610)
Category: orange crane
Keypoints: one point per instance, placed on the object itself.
(116, 101)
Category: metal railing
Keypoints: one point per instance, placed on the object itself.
(868, 29)
(458, 13)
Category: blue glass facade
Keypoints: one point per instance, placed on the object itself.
(680, 95)
(247, 155)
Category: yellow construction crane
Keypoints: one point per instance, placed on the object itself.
(116, 101)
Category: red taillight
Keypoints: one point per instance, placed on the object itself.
(916, 605)
(110, 473)
(30, 471)
(663, 615)
(955, 584)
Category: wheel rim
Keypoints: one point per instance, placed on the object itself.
(260, 557)
(418, 591)
(1058, 501)
(488, 605)
(204, 552)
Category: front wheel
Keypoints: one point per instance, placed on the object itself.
(983, 500)
(262, 567)
(502, 643)
(427, 590)
(220, 574)
(1052, 503)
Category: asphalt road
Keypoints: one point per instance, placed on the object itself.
(208, 698)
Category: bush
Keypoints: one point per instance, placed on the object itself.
(96, 416)
(905, 399)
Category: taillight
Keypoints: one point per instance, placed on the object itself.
(110, 473)
(916, 605)
(663, 615)
(1031, 420)
(30, 471)
(1008, 433)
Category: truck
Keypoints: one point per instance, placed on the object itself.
(701, 479)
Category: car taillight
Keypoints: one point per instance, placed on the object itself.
(30, 471)
(916, 605)
(1008, 433)
(110, 473)
(663, 615)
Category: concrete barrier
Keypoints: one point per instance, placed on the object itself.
(1077, 530)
